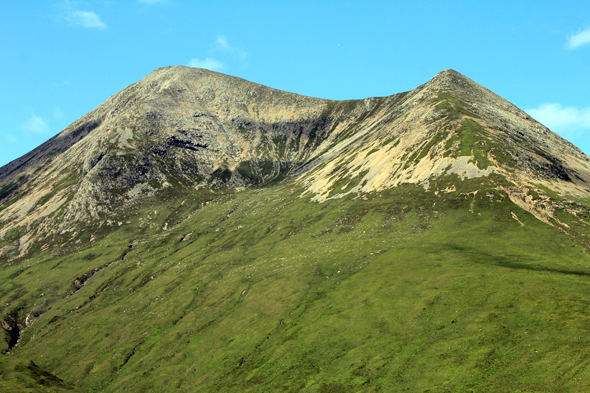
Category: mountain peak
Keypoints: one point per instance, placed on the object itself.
(180, 72)
(450, 73)
(194, 128)
(149, 234)
(454, 82)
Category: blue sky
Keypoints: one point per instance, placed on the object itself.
(59, 60)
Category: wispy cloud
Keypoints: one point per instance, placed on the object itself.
(10, 138)
(58, 114)
(210, 64)
(566, 121)
(70, 14)
(222, 44)
(35, 124)
(224, 50)
(579, 39)
(87, 19)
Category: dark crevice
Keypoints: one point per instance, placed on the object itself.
(12, 329)
(95, 160)
(130, 355)
(174, 141)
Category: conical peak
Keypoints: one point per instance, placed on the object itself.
(460, 86)
(450, 74)
(451, 80)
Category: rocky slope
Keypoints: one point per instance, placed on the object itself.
(193, 128)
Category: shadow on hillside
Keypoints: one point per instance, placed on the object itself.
(515, 261)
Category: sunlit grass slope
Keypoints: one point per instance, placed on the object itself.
(263, 290)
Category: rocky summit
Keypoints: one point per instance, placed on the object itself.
(199, 232)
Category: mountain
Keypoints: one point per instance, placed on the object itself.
(202, 232)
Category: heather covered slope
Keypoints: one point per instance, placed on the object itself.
(198, 232)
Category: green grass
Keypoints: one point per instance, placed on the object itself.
(264, 290)
(549, 192)
(415, 158)
(15, 233)
(346, 184)
(452, 106)
(471, 139)
(20, 377)
(389, 140)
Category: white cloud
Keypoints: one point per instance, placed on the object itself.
(564, 120)
(210, 64)
(87, 19)
(10, 138)
(35, 124)
(579, 39)
(223, 44)
(223, 49)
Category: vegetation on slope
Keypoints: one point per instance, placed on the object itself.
(24, 377)
(263, 290)
(180, 282)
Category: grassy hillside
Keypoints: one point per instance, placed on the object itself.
(264, 290)
(17, 376)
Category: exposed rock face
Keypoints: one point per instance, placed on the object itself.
(185, 127)
(177, 125)
(449, 125)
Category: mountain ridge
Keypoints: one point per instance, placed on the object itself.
(201, 232)
(200, 128)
